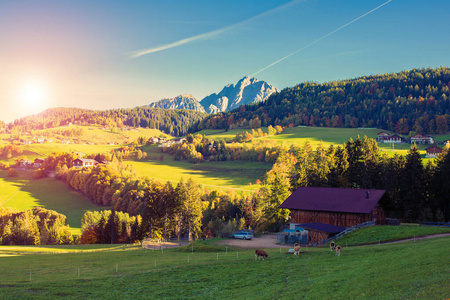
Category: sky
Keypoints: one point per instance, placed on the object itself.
(122, 54)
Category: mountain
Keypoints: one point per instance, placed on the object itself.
(185, 101)
(246, 91)
(412, 101)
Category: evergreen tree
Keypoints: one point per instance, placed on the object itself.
(412, 185)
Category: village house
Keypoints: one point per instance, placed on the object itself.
(433, 151)
(25, 163)
(84, 162)
(384, 137)
(327, 211)
(38, 162)
(422, 139)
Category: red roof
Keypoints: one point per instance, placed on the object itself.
(333, 199)
(434, 149)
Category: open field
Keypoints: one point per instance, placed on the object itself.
(403, 270)
(223, 175)
(327, 136)
(316, 135)
(375, 234)
(24, 193)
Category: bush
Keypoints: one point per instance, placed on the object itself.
(12, 172)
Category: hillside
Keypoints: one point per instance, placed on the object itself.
(173, 122)
(213, 272)
(417, 100)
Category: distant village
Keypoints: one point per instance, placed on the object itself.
(432, 151)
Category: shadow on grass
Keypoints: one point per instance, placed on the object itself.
(50, 194)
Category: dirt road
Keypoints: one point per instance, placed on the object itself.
(264, 241)
(270, 241)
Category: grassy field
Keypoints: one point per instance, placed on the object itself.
(376, 234)
(403, 270)
(25, 193)
(235, 175)
(326, 136)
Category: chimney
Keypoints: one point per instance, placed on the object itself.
(367, 195)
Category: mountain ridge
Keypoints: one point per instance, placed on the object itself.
(246, 91)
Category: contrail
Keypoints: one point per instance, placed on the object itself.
(319, 39)
(138, 53)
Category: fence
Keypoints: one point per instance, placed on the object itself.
(348, 230)
(436, 224)
(293, 237)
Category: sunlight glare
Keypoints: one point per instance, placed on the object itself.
(32, 95)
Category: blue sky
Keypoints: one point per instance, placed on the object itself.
(80, 53)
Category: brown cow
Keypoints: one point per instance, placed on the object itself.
(261, 253)
(332, 246)
(296, 249)
(338, 250)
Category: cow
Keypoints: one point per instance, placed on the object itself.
(261, 253)
(332, 246)
(297, 249)
(338, 250)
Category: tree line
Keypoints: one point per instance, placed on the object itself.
(200, 148)
(37, 226)
(173, 122)
(416, 101)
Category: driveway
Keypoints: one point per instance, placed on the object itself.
(263, 241)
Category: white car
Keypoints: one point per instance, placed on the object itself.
(242, 235)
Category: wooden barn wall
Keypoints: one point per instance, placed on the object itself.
(332, 218)
(316, 237)
(378, 215)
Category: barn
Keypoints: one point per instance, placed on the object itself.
(327, 211)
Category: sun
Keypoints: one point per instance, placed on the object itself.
(32, 95)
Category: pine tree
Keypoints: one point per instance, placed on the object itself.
(412, 187)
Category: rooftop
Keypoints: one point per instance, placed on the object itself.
(333, 199)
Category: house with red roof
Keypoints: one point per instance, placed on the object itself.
(84, 162)
(433, 151)
(327, 211)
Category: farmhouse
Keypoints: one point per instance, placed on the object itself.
(25, 163)
(384, 137)
(327, 211)
(422, 139)
(433, 151)
(38, 162)
(84, 162)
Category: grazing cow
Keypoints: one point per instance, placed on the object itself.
(261, 253)
(338, 250)
(332, 246)
(296, 249)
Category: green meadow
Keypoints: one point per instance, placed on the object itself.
(236, 175)
(404, 270)
(24, 193)
(326, 137)
(380, 234)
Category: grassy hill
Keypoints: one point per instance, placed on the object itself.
(24, 193)
(326, 136)
(403, 270)
(235, 175)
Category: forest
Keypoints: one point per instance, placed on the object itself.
(173, 122)
(416, 101)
